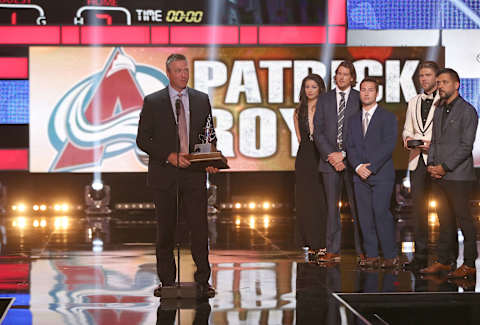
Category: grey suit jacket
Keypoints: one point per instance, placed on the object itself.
(325, 125)
(452, 142)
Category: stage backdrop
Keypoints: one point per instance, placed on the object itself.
(85, 101)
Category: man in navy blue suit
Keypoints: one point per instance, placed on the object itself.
(372, 134)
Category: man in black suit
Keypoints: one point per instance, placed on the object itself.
(334, 108)
(450, 164)
(372, 135)
(157, 136)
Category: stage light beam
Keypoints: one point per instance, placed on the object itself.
(266, 221)
(21, 207)
(65, 207)
(251, 222)
(22, 222)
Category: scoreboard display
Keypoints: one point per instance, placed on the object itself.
(146, 12)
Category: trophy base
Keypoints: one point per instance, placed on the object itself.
(210, 159)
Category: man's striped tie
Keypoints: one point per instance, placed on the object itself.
(341, 117)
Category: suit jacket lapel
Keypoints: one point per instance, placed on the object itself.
(350, 101)
(431, 113)
(191, 100)
(371, 123)
(432, 109)
(437, 121)
(332, 103)
(451, 116)
(168, 103)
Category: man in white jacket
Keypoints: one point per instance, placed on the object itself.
(418, 126)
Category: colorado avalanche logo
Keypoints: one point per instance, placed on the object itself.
(98, 118)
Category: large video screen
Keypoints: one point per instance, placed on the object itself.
(85, 101)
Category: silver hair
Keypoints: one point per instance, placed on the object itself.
(175, 57)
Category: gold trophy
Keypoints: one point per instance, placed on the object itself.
(205, 153)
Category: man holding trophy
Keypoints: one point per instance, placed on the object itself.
(171, 121)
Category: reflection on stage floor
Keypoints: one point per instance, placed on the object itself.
(61, 276)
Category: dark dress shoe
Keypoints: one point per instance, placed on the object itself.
(415, 264)
(361, 259)
(371, 262)
(314, 254)
(389, 263)
(329, 257)
(205, 291)
(157, 292)
(468, 284)
(436, 279)
(436, 268)
(463, 271)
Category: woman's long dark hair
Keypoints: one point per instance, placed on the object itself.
(302, 108)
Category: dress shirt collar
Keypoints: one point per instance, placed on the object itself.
(431, 96)
(346, 91)
(173, 93)
(448, 107)
(370, 111)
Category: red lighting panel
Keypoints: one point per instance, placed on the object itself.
(336, 35)
(14, 276)
(160, 35)
(185, 35)
(292, 34)
(248, 35)
(337, 12)
(29, 35)
(115, 35)
(13, 159)
(70, 35)
(13, 68)
(203, 35)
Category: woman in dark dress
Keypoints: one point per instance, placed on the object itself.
(309, 194)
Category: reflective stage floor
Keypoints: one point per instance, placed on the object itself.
(261, 277)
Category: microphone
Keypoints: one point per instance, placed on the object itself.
(177, 108)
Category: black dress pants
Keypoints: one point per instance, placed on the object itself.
(421, 187)
(194, 209)
(453, 207)
(333, 184)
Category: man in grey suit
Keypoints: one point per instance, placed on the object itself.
(334, 109)
(450, 164)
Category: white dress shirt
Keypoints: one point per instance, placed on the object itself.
(339, 97)
(185, 101)
(370, 112)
